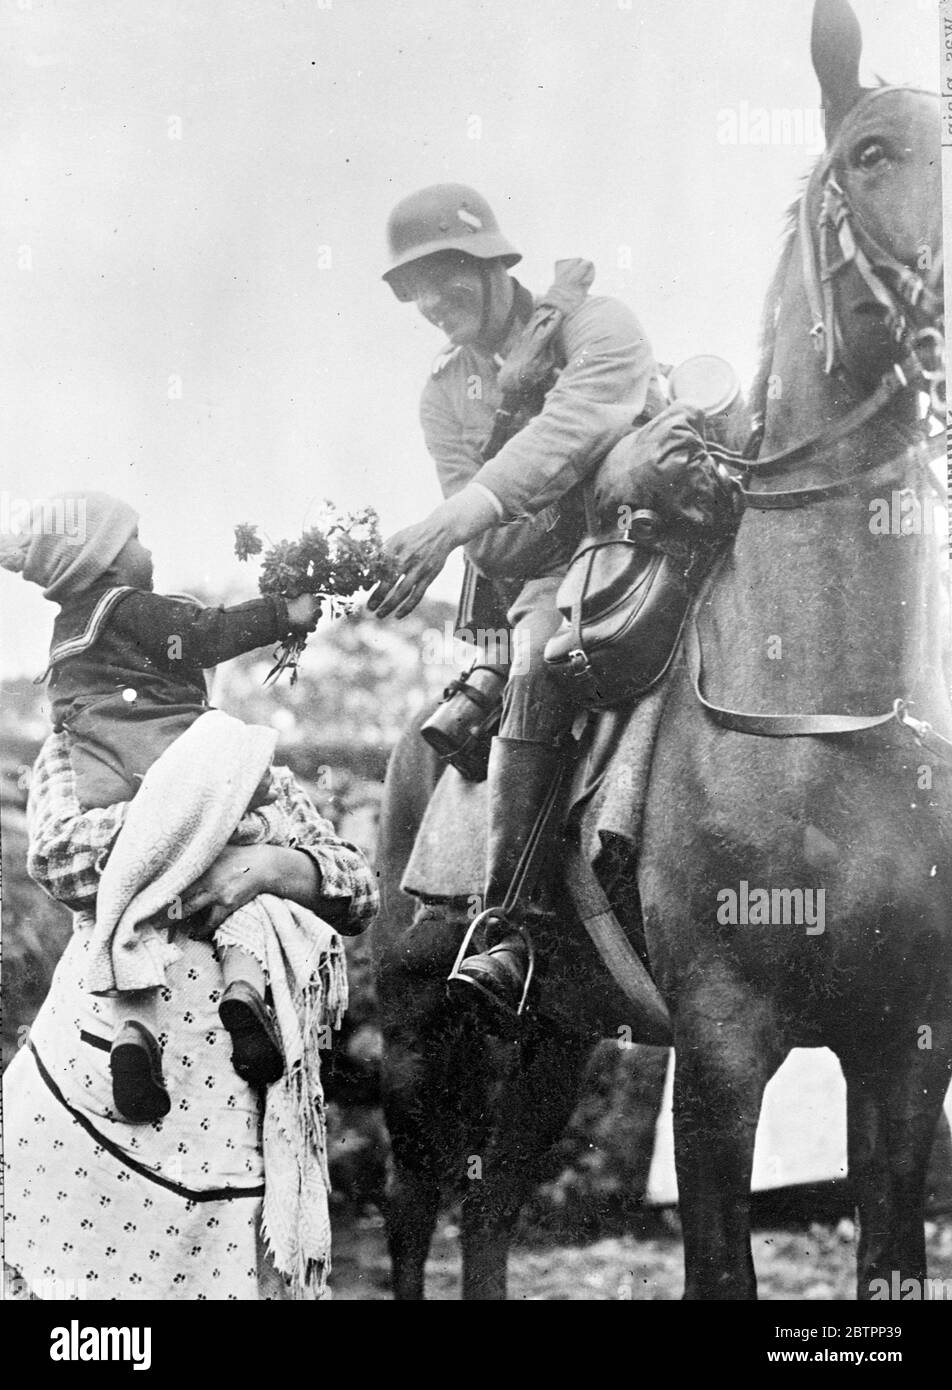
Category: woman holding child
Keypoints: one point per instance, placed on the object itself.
(164, 1123)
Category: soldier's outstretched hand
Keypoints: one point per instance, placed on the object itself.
(419, 552)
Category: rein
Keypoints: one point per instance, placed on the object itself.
(920, 453)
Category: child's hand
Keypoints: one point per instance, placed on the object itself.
(263, 793)
(240, 874)
(237, 876)
(304, 611)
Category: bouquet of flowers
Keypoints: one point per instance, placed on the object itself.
(334, 561)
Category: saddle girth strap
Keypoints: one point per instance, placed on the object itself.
(807, 725)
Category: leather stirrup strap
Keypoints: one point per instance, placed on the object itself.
(526, 875)
(652, 1020)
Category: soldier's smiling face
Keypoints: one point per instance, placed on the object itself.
(448, 290)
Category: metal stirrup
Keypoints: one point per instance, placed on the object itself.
(527, 866)
(494, 914)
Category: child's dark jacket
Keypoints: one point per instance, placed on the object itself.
(126, 676)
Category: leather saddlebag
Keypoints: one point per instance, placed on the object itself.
(624, 601)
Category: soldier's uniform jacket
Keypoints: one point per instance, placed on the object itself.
(606, 382)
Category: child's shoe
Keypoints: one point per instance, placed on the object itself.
(135, 1061)
(256, 1053)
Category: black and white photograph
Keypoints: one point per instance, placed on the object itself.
(476, 661)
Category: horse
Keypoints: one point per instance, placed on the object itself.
(787, 757)
(463, 1108)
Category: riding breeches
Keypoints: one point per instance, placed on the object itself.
(534, 707)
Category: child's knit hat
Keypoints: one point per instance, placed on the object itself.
(69, 541)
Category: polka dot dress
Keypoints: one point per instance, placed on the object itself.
(100, 1208)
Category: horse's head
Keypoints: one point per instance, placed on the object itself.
(876, 200)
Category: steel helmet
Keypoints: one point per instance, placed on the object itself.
(444, 217)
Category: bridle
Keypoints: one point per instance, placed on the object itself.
(897, 288)
(912, 314)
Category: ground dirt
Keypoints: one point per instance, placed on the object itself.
(813, 1264)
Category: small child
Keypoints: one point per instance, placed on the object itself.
(126, 678)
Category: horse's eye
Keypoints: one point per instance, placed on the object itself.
(869, 154)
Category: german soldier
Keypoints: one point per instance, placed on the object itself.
(520, 513)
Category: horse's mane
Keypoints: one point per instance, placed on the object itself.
(767, 337)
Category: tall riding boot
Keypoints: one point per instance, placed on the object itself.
(520, 776)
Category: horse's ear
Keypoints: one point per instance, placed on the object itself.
(835, 46)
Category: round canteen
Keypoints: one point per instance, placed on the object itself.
(707, 382)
